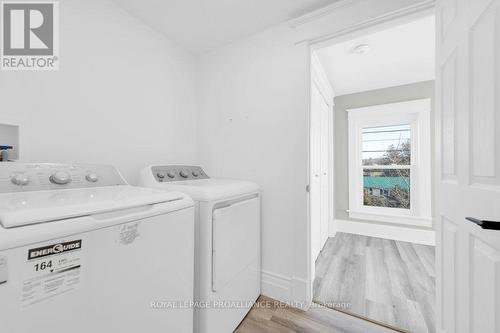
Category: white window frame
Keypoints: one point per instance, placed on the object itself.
(417, 114)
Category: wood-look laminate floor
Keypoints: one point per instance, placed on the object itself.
(270, 316)
(388, 281)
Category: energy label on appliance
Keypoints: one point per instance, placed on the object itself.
(51, 271)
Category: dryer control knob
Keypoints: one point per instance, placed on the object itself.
(20, 179)
(183, 174)
(60, 178)
(171, 175)
(92, 177)
(160, 175)
(195, 174)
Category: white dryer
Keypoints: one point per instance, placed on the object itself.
(82, 251)
(227, 244)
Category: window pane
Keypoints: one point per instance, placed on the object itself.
(387, 145)
(386, 188)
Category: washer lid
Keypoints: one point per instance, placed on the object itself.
(211, 189)
(25, 208)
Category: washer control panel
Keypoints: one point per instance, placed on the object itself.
(174, 173)
(19, 177)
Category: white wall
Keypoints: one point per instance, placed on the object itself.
(123, 95)
(253, 114)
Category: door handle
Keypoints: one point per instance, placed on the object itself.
(490, 225)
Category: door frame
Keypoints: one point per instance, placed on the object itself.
(362, 26)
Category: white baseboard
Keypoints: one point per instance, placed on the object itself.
(276, 286)
(301, 294)
(405, 234)
(292, 291)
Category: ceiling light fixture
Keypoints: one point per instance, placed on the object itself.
(361, 49)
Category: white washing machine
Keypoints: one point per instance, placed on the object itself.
(82, 251)
(227, 245)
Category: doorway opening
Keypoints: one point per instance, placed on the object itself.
(371, 156)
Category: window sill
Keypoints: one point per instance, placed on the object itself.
(394, 219)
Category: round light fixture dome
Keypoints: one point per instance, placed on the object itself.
(361, 49)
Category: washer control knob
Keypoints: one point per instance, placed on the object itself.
(92, 177)
(171, 175)
(60, 178)
(183, 174)
(195, 174)
(160, 175)
(20, 179)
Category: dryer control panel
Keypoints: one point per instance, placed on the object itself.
(175, 173)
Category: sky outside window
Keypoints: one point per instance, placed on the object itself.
(386, 145)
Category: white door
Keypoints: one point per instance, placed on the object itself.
(315, 193)
(321, 124)
(468, 164)
(325, 146)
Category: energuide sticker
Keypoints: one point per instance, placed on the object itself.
(51, 270)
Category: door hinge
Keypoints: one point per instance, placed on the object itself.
(308, 188)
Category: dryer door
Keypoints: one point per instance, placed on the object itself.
(236, 240)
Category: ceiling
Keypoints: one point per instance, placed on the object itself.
(400, 55)
(203, 25)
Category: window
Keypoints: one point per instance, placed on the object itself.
(389, 163)
(386, 160)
